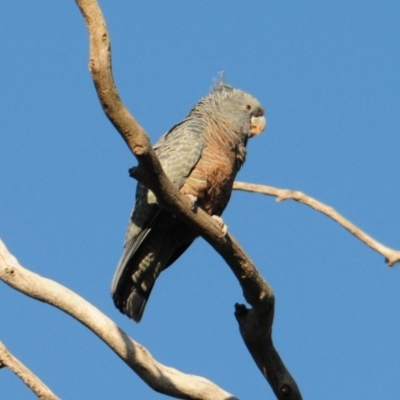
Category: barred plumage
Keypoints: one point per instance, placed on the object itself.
(201, 155)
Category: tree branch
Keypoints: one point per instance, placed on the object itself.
(26, 375)
(256, 291)
(161, 378)
(391, 256)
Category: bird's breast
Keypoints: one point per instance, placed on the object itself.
(212, 177)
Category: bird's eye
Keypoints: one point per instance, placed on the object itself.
(248, 107)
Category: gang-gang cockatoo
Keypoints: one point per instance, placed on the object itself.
(201, 155)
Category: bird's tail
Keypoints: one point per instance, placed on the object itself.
(144, 258)
(135, 302)
(132, 287)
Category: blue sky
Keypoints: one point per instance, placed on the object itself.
(328, 76)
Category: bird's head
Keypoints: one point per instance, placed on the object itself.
(239, 110)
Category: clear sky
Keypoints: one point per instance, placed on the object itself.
(328, 76)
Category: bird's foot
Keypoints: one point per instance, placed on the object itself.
(221, 223)
(193, 200)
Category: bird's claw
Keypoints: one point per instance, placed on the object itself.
(221, 223)
(193, 200)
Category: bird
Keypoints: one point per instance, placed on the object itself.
(201, 155)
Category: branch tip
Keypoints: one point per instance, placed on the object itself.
(391, 256)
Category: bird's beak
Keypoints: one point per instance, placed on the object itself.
(257, 125)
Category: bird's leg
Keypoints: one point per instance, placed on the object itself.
(221, 223)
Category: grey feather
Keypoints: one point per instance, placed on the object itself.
(215, 130)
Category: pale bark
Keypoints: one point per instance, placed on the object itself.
(255, 324)
(255, 289)
(25, 374)
(391, 256)
(160, 377)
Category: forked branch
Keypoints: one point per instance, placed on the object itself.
(160, 377)
(391, 256)
(256, 291)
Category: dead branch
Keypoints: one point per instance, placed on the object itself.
(256, 291)
(25, 374)
(391, 256)
(161, 378)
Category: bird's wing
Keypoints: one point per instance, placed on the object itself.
(178, 150)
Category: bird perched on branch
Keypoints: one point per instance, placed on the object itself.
(201, 155)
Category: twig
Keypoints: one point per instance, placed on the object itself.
(256, 291)
(160, 377)
(391, 256)
(26, 375)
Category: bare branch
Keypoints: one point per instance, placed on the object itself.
(100, 68)
(161, 378)
(26, 375)
(391, 256)
(256, 291)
